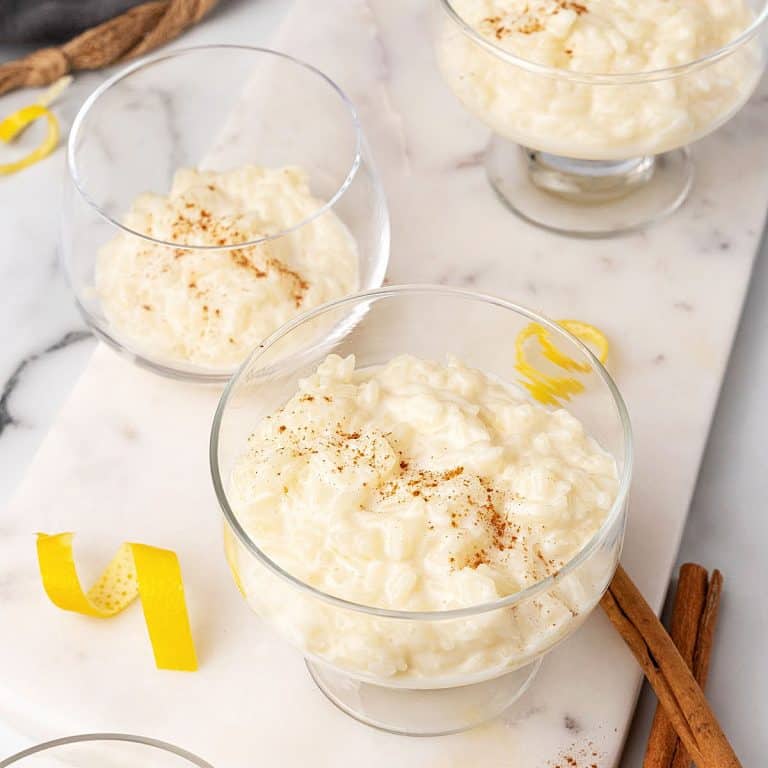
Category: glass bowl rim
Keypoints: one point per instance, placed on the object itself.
(597, 78)
(151, 60)
(454, 613)
(95, 737)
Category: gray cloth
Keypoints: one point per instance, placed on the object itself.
(54, 21)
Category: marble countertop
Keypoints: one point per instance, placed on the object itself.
(48, 346)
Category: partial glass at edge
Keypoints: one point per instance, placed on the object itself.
(567, 172)
(379, 326)
(104, 750)
(216, 108)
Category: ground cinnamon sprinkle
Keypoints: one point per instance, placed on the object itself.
(532, 26)
(224, 231)
(479, 558)
(240, 259)
(584, 755)
(300, 284)
(529, 21)
(420, 483)
(578, 8)
(471, 500)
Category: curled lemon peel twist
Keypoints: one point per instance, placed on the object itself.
(544, 387)
(137, 570)
(15, 124)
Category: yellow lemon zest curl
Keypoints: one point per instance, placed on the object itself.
(137, 570)
(544, 387)
(15, 124)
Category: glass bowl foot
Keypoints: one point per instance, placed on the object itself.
(416, 712)
(588, 198)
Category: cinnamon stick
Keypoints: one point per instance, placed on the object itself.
(668, 674)
(703, 652)
(684, 628)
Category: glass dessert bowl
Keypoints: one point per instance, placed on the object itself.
(104, 750)
(424, 533)
(592, 104)
(203, 209)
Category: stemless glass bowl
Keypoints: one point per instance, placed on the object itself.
(592, 154)
(104, 750)
(349, 646)
(214, 108)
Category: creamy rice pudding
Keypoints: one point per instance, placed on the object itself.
(419, 486)
(600, 37)
(207, 305)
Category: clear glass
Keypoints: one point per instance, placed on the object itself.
(593, 154)
(104, 750)
(377, 326)
(213, 108)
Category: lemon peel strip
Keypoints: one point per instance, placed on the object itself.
(136, 570)
(13, 125)
(546, 388)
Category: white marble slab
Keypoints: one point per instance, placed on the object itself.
(669, 299)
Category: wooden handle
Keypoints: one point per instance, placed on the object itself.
(666, 670)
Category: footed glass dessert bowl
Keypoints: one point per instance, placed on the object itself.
(400, 508)
(593, 103)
